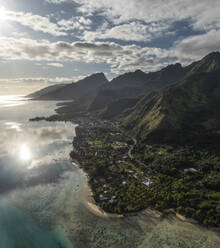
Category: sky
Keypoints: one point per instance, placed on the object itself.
(44, 42)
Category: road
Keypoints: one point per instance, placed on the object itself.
(131, 148)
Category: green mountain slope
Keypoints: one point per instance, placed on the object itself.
(180, 112)
(116, 108)
(210, 62)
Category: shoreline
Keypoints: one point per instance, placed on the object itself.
(89, 202)
(92, 206)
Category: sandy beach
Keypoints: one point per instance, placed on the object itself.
(89, 201)
(91, 205)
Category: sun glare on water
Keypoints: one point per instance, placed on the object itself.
(25, 153)
(12, 100)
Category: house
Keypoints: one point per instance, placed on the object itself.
(102, 180)
(190, 170)
(147, 181)
(102, 198)
(113, 199)
(106, 185)
(136, 176)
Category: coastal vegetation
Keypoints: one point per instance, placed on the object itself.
(144, 145)
(183, 178)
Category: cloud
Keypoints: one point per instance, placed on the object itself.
(44, 24)
(59, 65)
(115, 55)
(124, 22)
(202, 14)
(77, 22)
(57, 1)
(197, 46)
(17, 49)
(120, 58)
(146, 19)
(19, 34)
(133, 31)
(25, 81)
(35, 22)
(53, 133)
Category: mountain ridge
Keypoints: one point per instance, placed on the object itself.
(136, 84)
(72, 91)
(103, 99)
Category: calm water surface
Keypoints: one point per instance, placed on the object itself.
(41, 193)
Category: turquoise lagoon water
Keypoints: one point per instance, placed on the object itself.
(42, 199)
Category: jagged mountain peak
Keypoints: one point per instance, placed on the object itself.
(139, 72)
(93, 77)
(213, 55)
(98, 75)
(210, 62)
(212, 58)
(172, 67)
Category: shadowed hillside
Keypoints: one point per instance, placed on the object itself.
(71, 91)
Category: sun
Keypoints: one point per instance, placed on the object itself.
(25, 153)
(3, 14)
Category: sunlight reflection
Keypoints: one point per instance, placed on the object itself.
(11, 101)
(25, 153)
(14, 125)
